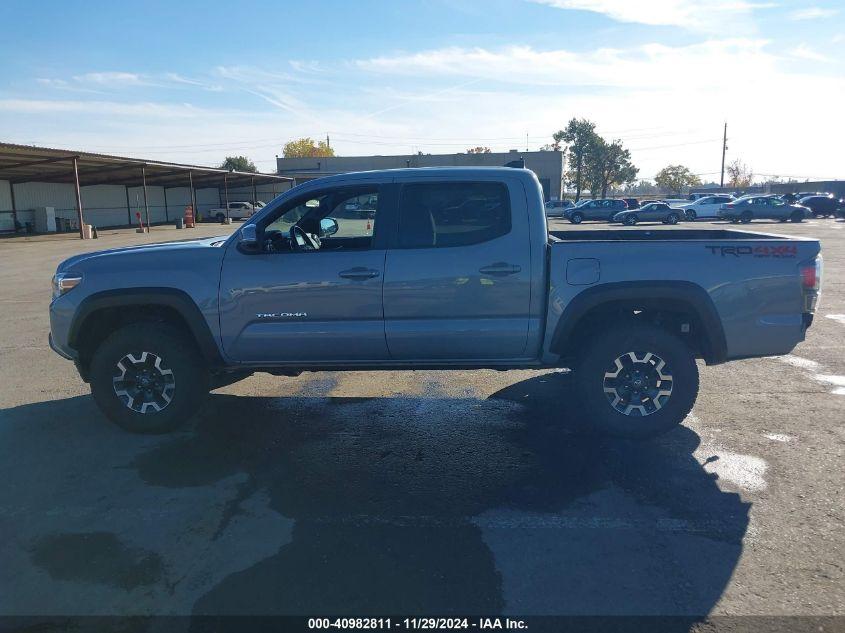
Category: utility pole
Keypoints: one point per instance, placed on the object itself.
(328, 143)
(724, 149)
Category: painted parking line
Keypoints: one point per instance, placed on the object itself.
(839, 318)
(815, 370)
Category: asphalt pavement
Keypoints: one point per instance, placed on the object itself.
(421, 492)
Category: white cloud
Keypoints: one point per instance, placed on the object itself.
(54, 106)
(686, 13)
(711, 63)
(812, 13)
(802, 51)
(112, 79)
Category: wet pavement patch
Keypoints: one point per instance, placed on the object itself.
(97, 557)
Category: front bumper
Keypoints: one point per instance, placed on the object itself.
(69, 354)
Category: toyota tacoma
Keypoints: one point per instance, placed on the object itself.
(455, 269)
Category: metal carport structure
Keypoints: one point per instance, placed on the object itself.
(24, 164)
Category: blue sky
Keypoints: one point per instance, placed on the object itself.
(194, 81)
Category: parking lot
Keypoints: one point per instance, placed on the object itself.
(420, 492)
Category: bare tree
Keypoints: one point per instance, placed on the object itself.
(739, 174)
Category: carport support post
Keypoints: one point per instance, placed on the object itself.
(146, 205)
(193, 195)
(78, 196)
(14, 205)
(166, 217)
(254, 194)
(226, 189)
(128, 207)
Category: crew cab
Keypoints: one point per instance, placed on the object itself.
(455, 270)
(235, 211)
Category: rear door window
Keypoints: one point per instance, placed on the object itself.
(441, 215)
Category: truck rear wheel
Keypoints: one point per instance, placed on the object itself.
(636, 381)
(148, 378)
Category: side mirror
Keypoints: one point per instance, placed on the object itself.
(249, 241)
(328, 226)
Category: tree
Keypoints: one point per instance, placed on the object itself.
(306, 148)
(739, 174)
(238, 163)
(478, 150)
(579, 135)
(550, 147)
(608, 165)
(675, 178)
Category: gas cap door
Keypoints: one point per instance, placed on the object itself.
(582, 271)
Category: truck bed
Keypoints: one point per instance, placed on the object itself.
(752, 279)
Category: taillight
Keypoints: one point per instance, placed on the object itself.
(811, 273)
(729, 205)
(811, 281)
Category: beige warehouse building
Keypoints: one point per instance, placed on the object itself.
(547, 165)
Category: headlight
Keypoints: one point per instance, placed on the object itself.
(64, 282)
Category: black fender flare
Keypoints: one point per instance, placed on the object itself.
(173, 298)
(651, 294)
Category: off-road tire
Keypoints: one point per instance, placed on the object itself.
(174, 354)
(598, 359)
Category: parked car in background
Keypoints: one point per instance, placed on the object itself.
(674, 202)
(601, 209)
(555, 208)
(237, 211)
(632, 203)
(697, 196)
(763, 208)
(654, 212)
(706, 207)
(822, 206)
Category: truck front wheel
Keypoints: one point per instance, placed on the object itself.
(636, 381)
(148, 377)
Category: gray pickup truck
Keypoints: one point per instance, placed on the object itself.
(454, 269)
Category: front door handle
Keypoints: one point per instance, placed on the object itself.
(359, 272)
(500, 269)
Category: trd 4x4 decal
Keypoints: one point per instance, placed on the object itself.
(785, 251)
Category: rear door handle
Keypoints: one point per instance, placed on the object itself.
(500, 269)
(359, 272)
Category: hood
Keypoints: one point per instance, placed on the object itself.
(184, 245)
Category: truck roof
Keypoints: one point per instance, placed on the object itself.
(426, 172)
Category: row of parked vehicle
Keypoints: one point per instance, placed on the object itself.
(795, 207)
